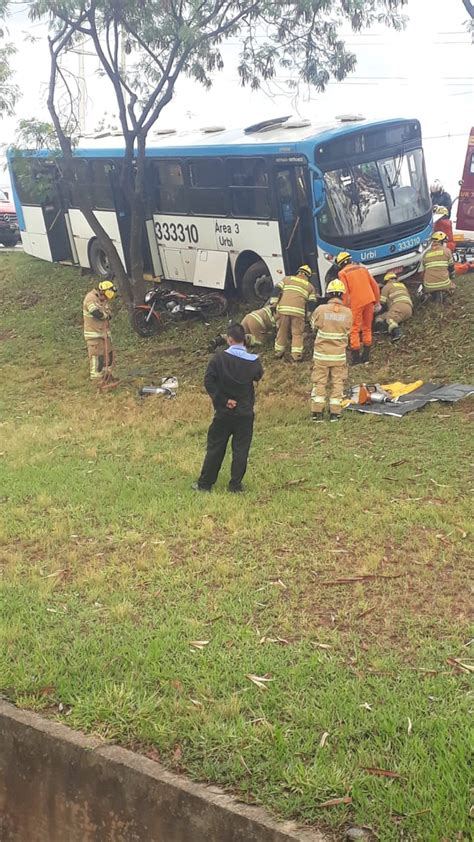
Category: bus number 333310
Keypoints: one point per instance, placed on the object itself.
(176, 233)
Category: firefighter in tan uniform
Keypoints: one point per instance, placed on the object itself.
(97, 314)
(296, 292)
(333, 322)
(396, 299)
(438, 266)
(258, 325)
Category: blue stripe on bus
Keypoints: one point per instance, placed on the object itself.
(393, 248)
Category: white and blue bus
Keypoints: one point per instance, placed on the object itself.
(237, 210)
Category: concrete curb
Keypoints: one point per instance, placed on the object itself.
(57, 785)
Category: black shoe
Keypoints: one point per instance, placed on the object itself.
(334, 417)
(396, 334)
(355, 358)
(317, 416)
(364, 357)
(235, 489)
(196, 487)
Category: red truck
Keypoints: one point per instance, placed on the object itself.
(464, 233)
(9, 228)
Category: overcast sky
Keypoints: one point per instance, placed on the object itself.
(426, 72)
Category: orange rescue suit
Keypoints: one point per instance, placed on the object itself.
(362, 293)
(446, 226)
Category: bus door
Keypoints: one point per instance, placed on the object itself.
(295, 216)
(54, 213)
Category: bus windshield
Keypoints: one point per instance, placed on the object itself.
(372, 195)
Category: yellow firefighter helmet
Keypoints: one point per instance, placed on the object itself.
(305, 270)
(390, 276)
(342, 258)
(439, 237)
(336, 287)
(108, 289)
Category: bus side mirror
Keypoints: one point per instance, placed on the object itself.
(319, 194)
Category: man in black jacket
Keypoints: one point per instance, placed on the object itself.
(229, 381)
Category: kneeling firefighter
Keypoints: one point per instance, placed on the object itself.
(438, 266)
(333, 322)
(396, 300)
(97, 313)
(258, 325)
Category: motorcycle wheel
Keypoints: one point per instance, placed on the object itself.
(145, 328)
(214, 305)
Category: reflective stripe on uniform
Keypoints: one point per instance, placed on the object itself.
(398, 299)
(332, 358)
(322, 334)
(287, 310)
(93, 334)
(335, 401)
(435, 285)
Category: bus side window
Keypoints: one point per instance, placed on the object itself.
(472, 164)
(247, 179)
(207, 195)
(170, 189)
(102, 173)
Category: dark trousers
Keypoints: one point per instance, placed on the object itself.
(218, 435)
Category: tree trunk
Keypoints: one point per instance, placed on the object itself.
(469, 6)
(137, 216)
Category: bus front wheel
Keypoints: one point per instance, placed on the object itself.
(99, 262)
(257, 283)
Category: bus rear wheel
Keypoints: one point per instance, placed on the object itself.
(100, 262)
(257, 283)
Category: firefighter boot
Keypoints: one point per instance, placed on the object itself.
(364, 357)
(396, 333)
(334, 417)
(317, 416)
(355, 357)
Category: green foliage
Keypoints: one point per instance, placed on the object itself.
(34, 134)
(9, 92)
(165, 40)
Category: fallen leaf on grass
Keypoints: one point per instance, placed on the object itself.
(381, 773)
(281, 640)
(366, 706)
(196, 703)
(199, 644)
(321, 645)
(364, 613)
(333, 802)
(410, 726)
(323, 739)
(349, 580)
(460, 664)
(259, 680)
(280, 584)
(439, 484)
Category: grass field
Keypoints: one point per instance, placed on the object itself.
(135, 609)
